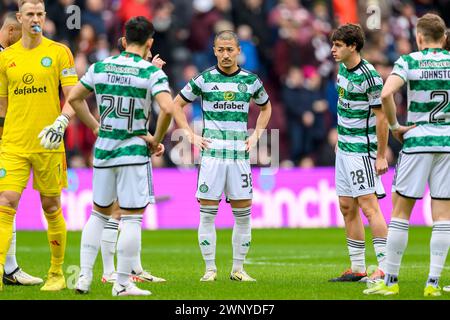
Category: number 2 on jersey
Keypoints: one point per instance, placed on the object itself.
(111, 105)
(434, 117)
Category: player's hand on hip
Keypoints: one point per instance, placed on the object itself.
(400, 132)
(156, 148)
(150, 139)
(52, 136)
(199, 141)
(381, 165)
(157, 151)
(251, 142)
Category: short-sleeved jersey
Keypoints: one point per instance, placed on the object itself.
(31, 79)
(359, 91)
(427, 74)
(225, 104)
(124, 86)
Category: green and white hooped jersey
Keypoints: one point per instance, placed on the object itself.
(359, 91)
(427, 74)
(124, 86)
(225, 104)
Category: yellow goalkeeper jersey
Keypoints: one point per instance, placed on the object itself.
(31, 79)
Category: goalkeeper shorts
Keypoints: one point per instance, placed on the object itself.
(49, 172)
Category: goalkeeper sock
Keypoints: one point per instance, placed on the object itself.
(6, 229)
(128, 246)
(108, 244)
(56, 235)
(379, 244)
(241, 237)
(11, 262)
(357, 253)
(439, 244)
(90, 242)
(207, 235)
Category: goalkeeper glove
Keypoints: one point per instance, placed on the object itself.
(52, 136)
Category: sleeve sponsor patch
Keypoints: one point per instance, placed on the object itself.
(68, 72)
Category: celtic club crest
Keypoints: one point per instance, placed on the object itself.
(203, 188)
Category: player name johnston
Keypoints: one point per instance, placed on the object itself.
(434, 74)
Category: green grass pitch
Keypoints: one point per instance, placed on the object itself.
(289, 264)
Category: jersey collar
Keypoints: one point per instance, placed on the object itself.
(130, 54)
(426, 50)
(356, 67)
(226, 74)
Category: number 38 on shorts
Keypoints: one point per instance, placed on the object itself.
(217, 176)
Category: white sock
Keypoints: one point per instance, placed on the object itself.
(108, 245)
(379, 244)
(128, 246)
(11, 262)
(90, 242)
(207, 235)
(357, 254)
(439, 244)
(242, 236)
(397, 241)
(137, 264)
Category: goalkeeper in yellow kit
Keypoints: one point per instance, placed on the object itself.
(31, 72)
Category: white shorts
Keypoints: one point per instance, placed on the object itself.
(132, 186)
(356, 176)
(217, 176)
(413, 171)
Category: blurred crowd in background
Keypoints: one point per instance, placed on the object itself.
(285, 42)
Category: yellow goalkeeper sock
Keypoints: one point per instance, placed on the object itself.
(56, 235)
(6, 230)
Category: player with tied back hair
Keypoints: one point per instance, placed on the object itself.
(124, 86)
(10, 33)
(31, 72)
(226, 91)
(425, 155)
(361, 150)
